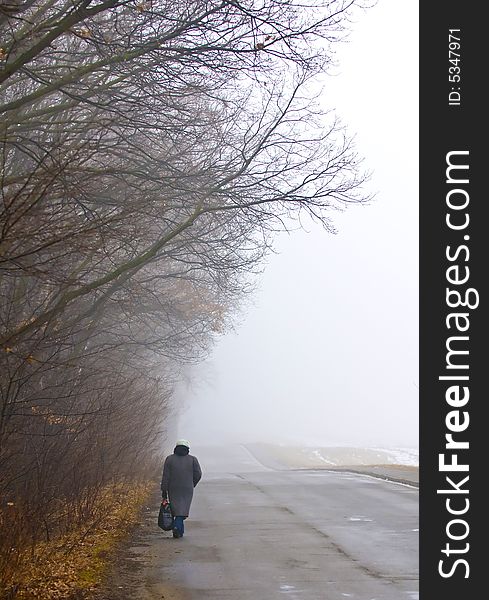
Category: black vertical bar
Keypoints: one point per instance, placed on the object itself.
(452, 120)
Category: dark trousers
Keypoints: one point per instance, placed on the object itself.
(178, 524)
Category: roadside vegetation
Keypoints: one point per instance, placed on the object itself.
(149, 151)
(73, 563)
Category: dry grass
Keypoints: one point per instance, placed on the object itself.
(300, 457)
(73, 565)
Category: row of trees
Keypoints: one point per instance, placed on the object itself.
(149, 150)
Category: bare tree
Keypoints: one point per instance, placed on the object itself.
(149, 151)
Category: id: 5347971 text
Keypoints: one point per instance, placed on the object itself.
(454, 68)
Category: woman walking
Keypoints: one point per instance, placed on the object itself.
(181, 474)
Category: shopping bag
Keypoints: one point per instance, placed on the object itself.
(165, 518)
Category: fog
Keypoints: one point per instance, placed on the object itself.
(327, 351)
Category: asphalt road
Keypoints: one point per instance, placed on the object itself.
(264, 534)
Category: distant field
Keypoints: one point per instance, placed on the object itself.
(331, 457)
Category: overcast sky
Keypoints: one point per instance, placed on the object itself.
(328, 352)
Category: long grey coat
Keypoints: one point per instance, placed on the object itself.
(180, 475)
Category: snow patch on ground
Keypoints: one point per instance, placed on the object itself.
(318, 455)
(401, 456)
(338, 456)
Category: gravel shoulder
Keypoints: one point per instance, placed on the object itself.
(132, 574)
(398, 473)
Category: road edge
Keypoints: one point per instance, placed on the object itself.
(370, 473)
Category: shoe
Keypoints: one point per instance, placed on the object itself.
(176, 533)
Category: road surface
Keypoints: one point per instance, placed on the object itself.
(265, 534)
